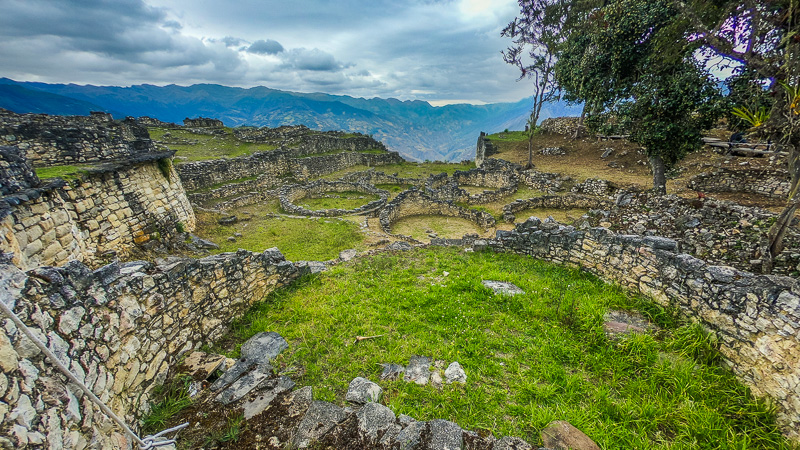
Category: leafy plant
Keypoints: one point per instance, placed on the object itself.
(165, 166)
(174, 398)
(754, 118)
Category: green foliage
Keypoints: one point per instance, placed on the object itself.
(180, 227)
(173, 398)
(753, 118)
(199, 147)
(530, 358)
(165, 167)
(746, 91)
(337, 200)
(63, 172)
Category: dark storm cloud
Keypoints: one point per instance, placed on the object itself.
(265, 47)
(314, 59)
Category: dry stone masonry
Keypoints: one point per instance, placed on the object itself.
(769, 182)
(289, 195)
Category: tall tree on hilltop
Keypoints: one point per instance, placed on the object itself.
(631, 62)
(764, 36)
(535, 35)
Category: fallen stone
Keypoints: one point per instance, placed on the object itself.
(361, 391)
(436, 379)
(373, 420)
(455, 373)
(258, 350)
(312, 267)
(245, 384)
(228, 220)
(503, 287)
(617, 322)
(607, 152)
(201, 365)
(299, 401)
(418, 370)
(320, 418)
(561, 435)
(511, 443)
(392, 371)
(347, 255)
(262, 400)
(444, 435)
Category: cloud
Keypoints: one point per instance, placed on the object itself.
(314, 59)
(265, 47)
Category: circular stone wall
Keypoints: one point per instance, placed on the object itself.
(554, 202)
(288, 195)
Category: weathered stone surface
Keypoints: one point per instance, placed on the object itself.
(265, 396)
(347, 255)
(444, 435)
(299, 401)
(511, 443)
(624, 322)
(392, 371)
(561, 435)
(399, 246)
(245, 384)
(363, 391)
(374, 419)
(258, 351)
(409, 437)
(201, 365)
(320, 418)
(418, 370)
(502, 287)
(455, 373)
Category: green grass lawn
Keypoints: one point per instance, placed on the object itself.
(406, 169)
(530, 359)
(342, 200)
(66, 172)
(207, 146)
(298, 239)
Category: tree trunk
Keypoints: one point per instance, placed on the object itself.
(659, 175)
(530, 151)
(778, 230)
(579, 128)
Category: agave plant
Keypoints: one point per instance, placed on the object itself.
(754, 118)
(793, 92)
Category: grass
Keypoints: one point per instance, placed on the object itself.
(341, 200)
(406, 169)
(371, 151)
(393, 189)
(444, 227)
(530, 359)
(225, 183)
(172, 398)
(297, 239)
(207, 146)
(65, 172)
(510, 136)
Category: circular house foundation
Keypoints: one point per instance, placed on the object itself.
(289, 195)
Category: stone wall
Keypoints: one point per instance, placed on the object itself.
(543, 181)
(767, 181)
(485, 149)
(119, 329)
(103, 213)
(553, 201)
(290, 194)
(595, 186)
(375, 177)
(202, 122)
(560, 125)
(16, 171)
(414, 203)
(63, 140)
(277, 163)
(755, 317)
(265, 181)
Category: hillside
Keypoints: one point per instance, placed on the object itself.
(416, 129)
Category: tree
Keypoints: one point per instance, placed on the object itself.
(764, 36)
(535, 37)
(630, 61)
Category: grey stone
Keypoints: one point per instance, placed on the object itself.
(262, 400)
(405, 420)
(347, 255)
(71, 319)
(562, 435)
(320, 418)
(511, 443)
(409, 437)
(607, 152)
(455, 373)
(418, 370)
(203, 243)
(311, 267)
(373, 420)
(229, 220)
(503, 287)
(245, 384)
(392, 371)
(257, 351)
(363, 391)
(299, 401)
(436, 379)
(399, 246)
(444, 435)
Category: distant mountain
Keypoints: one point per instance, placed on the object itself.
(416, 129)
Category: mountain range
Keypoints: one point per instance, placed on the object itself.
(416, 129)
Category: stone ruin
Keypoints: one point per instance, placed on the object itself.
(202, 122)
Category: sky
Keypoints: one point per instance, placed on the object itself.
(441, 51)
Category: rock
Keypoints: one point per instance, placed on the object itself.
(455, 373)
(202, 243)
(262, 400)
(418, 370)
(245, 384)
(502, 287)
(347, 255)
(237, 235)
(409, 437)
(436, 379)
(554, 151)
(373, 420)
(201, 365)
(231, 239)
(561, 435)
(312, 267)
(607, 152)
(363, 391)
(625, 322)
(399, 246)
(320, 418)
(444, 435)
(228, 220)
(511, 443)
(392, 371)
(258, 350)
(299, 401)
